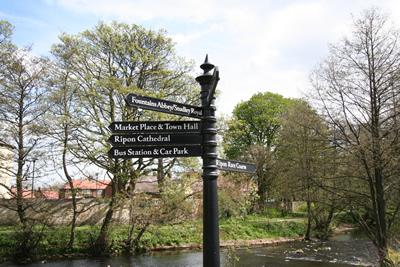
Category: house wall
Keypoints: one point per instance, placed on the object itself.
(108, 191)
(5, 178)
(93, 193)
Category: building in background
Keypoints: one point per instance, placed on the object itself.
(5, 177)
(47, 194)
(86, 188)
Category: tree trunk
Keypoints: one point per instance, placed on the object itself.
(139, 235)
(73, 191)
(20, 165)
(261, 193)
(160, 175)
(101, 243)
(378, 183)
(307, 236)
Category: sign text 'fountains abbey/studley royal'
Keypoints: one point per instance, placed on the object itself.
(159, 139)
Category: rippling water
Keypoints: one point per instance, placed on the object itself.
(341, 251)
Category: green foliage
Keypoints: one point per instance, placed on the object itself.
(233, 201)
(251, 135)
(257, 227)
(52, 241)
(255, 121)
(6, 45)
(345, 217)
(273, 213)
(6, 30)
(172, 235)
(394, 255)
(228, 206)
(302, 207)
(98, 68)
(27, 242)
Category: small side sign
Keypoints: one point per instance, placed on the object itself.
(236, 166)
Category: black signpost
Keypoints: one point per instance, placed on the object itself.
(161, 139)
(211, 255)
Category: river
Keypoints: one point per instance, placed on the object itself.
(341, 251)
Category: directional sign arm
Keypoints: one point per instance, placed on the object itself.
(215, 79)
(236, 166)
(155, 151)
(155, 127)
(165, 106)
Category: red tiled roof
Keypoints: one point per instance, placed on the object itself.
(87, 184)
(48, 194)
(25, 193)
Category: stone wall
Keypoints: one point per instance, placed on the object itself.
(59, 212)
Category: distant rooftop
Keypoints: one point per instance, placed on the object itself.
(87, 184)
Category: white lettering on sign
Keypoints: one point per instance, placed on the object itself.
(142, 101)
(221, 163)
(170, 127)
(141, 152)
(236, 165)
(127, 127)
(151, 138)
(188, 126)
(146, 127)
(123, 139)
(118, 153)
(228, 165)
(166, 105)
(174, 151)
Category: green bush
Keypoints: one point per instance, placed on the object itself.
(258, 226)
(302, 207)
(52, 241)
(273, 213)
(345, 217)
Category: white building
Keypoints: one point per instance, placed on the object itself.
(5, 178)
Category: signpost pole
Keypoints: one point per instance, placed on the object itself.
(211, 256)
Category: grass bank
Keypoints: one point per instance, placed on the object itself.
(52, 241)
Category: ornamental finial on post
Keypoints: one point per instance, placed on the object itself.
(207, 75)
(208, 80)
(206, 66)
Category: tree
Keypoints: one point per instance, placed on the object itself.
(357, 88)
(22, 106)
(6, 48)
(64, 121)
(107, 63)
(253, 129)
(305, 159)
(23, 79)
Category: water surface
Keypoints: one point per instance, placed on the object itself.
(342, 251)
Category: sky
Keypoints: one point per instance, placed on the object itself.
(258, 45)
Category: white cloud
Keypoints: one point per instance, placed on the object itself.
(23, 19)
(259, 45)
(192, 36)
(192, 10)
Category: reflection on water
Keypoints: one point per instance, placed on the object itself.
(341, 251)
